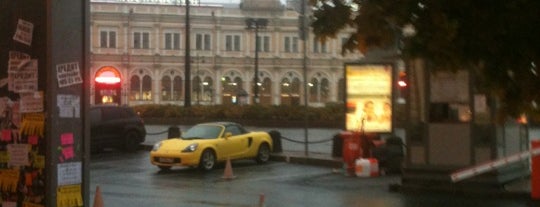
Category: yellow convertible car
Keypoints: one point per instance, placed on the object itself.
(206, 144)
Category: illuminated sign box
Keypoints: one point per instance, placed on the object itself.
(369, 97)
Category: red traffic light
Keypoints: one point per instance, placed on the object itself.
(402, 81)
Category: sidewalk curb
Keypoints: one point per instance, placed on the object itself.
(284, 157)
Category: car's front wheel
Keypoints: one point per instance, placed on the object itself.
(208, 160)
(263, 155)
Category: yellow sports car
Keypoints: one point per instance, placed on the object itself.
(206, 144)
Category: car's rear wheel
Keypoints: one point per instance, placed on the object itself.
(263, 155)
(131, 144)
(208, 160)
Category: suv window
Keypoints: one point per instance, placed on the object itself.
(95, 115)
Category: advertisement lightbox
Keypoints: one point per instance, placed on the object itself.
(369, 97)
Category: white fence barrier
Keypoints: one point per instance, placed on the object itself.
(492, 165)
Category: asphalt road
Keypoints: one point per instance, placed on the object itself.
(128, 179)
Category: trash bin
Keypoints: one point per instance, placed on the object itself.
(351, 150)
(337, 146)
(390, 155)
(276, 139)
(174, 132)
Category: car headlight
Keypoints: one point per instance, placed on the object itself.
(156, 146)
(191, 148)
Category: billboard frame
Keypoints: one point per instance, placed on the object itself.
(382, 80)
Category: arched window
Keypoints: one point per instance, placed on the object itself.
(295, 87)
(318, 89)
(232, 89)
(147, 88)
(228, 86)
(203, 89)
(325, 90)
(140, 86)
(171, 87)
(196, 87)
(314, 90)
(166, 88)
(290, 90)
(265, 91)
(178, 89)
(135, 88)
(207, 86)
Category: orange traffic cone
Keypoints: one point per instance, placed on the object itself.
(261, 200)
(228, 174)
(98, 201)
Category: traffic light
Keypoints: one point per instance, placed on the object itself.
(403, 87)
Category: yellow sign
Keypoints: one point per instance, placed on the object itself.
(9, 179)
(69, 196)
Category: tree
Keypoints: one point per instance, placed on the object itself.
(499, 41)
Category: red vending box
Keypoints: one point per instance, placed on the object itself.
(351, 150)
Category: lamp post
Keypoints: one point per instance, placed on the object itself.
(187, 60)
(256, 24)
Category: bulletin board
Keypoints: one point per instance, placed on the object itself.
(32, 159)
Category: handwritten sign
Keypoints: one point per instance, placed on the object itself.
(69, 106)
(18, 154)
(15, 59)
(68, 74)
(24, 78)
(69, 173)
(24, 31)
(31, 102)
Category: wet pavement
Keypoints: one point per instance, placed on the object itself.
(318, 152)
(128, 179)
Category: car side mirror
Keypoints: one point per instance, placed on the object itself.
(227, 135)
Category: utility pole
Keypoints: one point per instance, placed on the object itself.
(256, 24)
(304, 36)
(187, 61)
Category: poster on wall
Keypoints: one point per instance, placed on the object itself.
(369, 97)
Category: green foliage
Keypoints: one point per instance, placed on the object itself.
(498, 41)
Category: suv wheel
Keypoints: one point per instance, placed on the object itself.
(131, 144)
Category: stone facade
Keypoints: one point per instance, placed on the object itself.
(144, 41)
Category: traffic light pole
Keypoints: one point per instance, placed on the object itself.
(304, 37)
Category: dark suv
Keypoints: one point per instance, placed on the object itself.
(115, 126)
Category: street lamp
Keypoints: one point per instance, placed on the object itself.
(256, 24)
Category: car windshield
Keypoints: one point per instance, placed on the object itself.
(203, 132)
